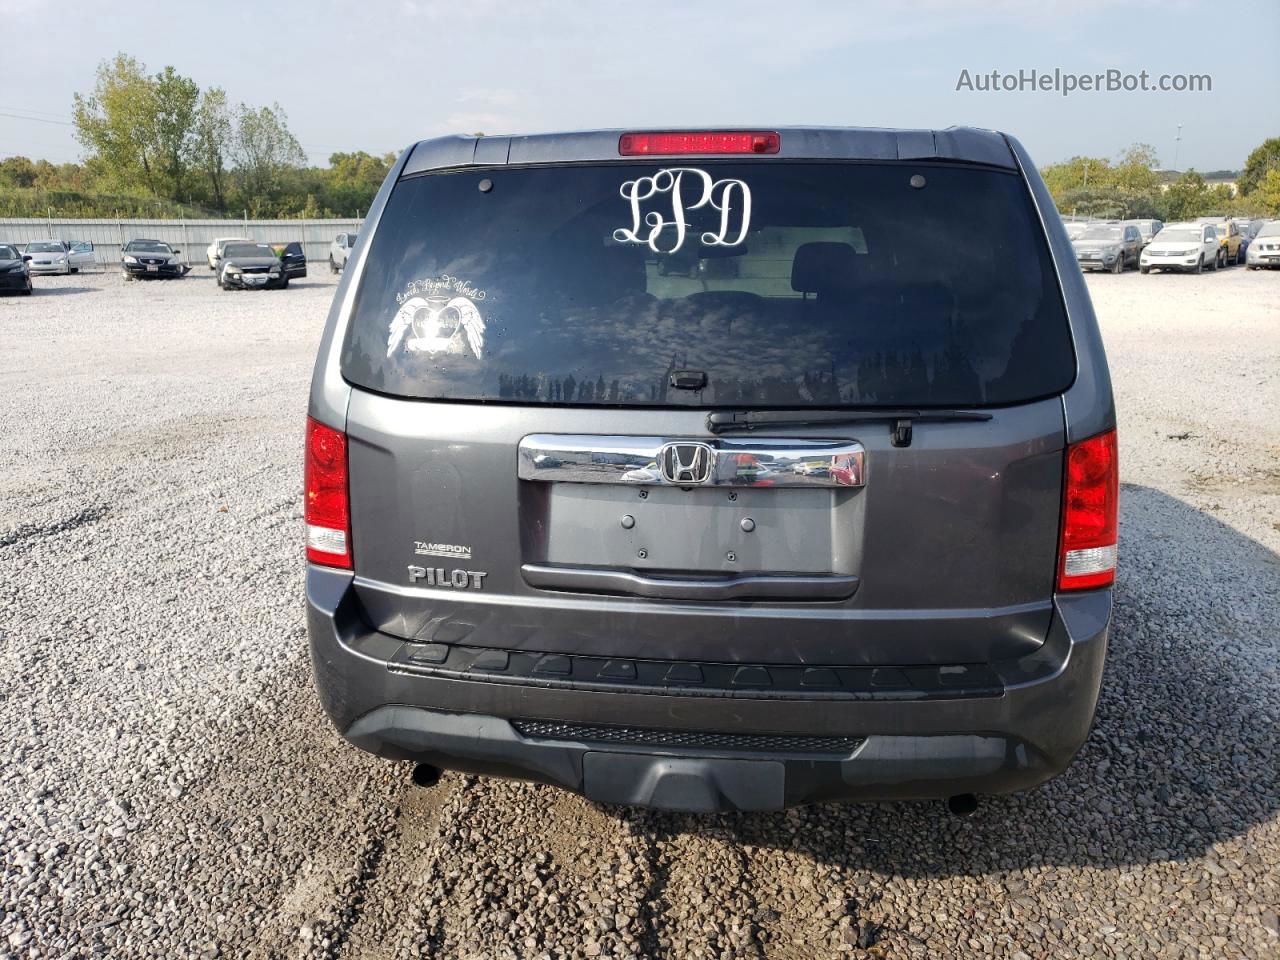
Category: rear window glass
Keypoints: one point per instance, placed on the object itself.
(784, 283)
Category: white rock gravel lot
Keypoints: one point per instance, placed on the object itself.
(170, 788)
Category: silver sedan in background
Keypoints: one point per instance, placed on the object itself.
(59, 256)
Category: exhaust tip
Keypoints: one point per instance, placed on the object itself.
(425, 775)
(962, 804)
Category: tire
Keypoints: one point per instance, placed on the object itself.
(1255, 268)
(126, 276)
(1216, 264)
(1144, 270)
(1119, 264)
(27, 292)
(333, 267)
(1200, 264)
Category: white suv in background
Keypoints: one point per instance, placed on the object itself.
(1182, 246)
(213, 252)
(339, 250)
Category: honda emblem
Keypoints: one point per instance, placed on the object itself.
(687, 463)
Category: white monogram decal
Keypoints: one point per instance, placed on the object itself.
(729, 198)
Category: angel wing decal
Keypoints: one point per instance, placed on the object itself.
(471, 322)
(437, 325)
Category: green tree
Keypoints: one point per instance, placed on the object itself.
(212, 142)
(352, 180)
(1075, 174)
(1095, 186)
(1268, 192)
(17, 172)
(1264, 158)
(116, 121)
(1188, 197)
(173, 128)
(139, 126)
(1135, 173)
(263, 150)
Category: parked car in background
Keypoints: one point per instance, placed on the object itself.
(1108, 246)
(59, 256)
(1245, 239)
(1186, 247)
(694, 629)
(1229, 251)
(150, 259)
(812, 468)
(213, 252)
(293, 258)
(248, 266)
(1075, 228)
(1264, 250)
(1147, 228)
(15, 275)
(339, 250)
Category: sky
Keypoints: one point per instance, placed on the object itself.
(377, 76)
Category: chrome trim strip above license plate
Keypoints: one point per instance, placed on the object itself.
(691, 587)
(677, 462)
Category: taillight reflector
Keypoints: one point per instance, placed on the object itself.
(1090, 502)
(659, 144)
(327, 510)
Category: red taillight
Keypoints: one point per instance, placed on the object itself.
(659, 144)
(327, 511)
(1091, 496)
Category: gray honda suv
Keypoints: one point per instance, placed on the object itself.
(714, 470)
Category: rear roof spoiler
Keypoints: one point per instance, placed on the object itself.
(964, 144)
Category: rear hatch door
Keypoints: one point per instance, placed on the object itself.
(537, 354)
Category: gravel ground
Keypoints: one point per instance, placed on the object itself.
(170, 788)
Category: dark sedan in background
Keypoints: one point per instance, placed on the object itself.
(14, 272)
(292, 258)
(247, 266)
(150, 259)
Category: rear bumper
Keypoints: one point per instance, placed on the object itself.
(920, 733)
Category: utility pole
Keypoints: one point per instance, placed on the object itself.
(1177, 147)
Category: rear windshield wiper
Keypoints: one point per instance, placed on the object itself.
(724, 421)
